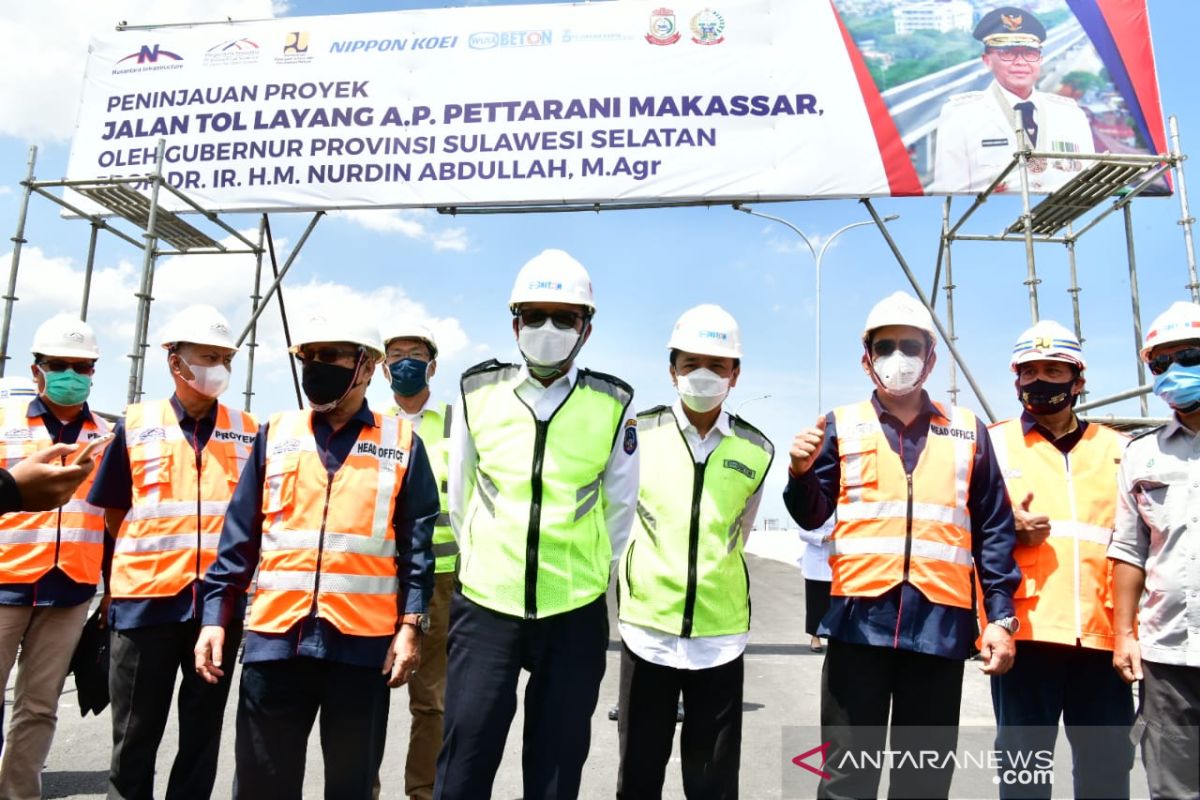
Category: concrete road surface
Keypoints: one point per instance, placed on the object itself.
(781, 691)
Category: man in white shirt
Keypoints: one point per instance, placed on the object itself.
(684, 587)
(543, 487)
(977, 131)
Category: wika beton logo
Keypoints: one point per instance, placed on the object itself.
(663, 29)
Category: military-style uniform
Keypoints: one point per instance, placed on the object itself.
(977, 136)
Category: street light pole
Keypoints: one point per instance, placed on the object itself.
(817, 255)
(738, 411)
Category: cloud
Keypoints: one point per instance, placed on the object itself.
(49, 284)
(5, 191)
(410, 224)
(46, 43)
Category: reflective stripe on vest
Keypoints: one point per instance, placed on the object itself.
(683, 571)
(328, 546)
(435, 435)
(892, 530)
(534, 540)
(70, 537)
(1065, 594)
(169, 537)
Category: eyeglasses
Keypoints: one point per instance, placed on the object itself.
(1188, 357)
(79, 367)
(535, 318)
(1030, 55)
(328, 355)
(909, 347)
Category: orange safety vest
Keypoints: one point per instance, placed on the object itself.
(169, 537)
(328, 548)
(70, 537)
(894, 528)
(1064, 594)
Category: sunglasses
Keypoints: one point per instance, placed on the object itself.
(563, 320)
(909, 347)
(328, 355)
(80, 368)
(1188, 357)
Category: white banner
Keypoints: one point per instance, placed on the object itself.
(625, 102)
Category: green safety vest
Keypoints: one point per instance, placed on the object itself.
(435, 434)
(683, 572)
(534, 540)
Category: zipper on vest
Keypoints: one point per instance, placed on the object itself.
(321, 543)
(535, 518)
(58, 523)
(1075, 545)
(199, 519)
(908, 519)
(689, 598)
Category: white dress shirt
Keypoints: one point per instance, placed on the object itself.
(618, 485)
(699, 652)
(416, 418)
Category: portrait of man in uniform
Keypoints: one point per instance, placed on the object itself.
(977, 132)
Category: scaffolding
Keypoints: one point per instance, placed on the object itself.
(136, 202)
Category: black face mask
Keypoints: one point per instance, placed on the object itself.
(1046, 397)
(326, 384)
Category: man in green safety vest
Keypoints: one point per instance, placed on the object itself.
(543, 487)
(410, 362)
(683, 583)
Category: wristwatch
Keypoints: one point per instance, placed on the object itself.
(418, 621)
(1010, 624)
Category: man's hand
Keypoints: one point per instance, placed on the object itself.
(806, 446)
(105, 602)
(1127, 658)
(404, 656)
(1032, 529)
(45, 482)
(208, 653)
(998, 650)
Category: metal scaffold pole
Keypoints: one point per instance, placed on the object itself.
(142, 322)
(87, 271)
(1136, 302)
(18, 239)
(1031, 278)
(1186, 220)
(255, 299)
(949, 297)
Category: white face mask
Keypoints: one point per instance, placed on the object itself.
(899, 374)
(546, 345)
(209, 381)
(702, 390)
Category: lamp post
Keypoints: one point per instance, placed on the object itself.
(738, 411)
(817, 254)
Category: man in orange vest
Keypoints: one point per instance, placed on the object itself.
(49, 561)
(165, 483)
(1061, 472)
(920, 504)
(336, 512)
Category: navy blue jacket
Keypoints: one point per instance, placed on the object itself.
(902, 617)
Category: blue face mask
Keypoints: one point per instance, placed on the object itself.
(409, 376)
(1179, 387)
(67, 388)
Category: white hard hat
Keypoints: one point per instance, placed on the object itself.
(339, 326)
(900, 309)
(65, 336)
(1179, 323)
(1047, 341)
(553, 276)
(199, 324)
(393, 330)
(708, 330)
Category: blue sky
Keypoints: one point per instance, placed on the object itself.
(647, 266)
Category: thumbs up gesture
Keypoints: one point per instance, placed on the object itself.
(805, 447)
(1032, 529)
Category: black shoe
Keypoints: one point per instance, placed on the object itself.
(612, 711)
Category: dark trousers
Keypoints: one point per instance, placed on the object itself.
(1168, 726)
(816, 603)
(142, 669)
(860, 686)
(1079, 685)
(565, 657)
(710, 744)
(277, 705)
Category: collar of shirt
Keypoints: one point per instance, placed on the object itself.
(414, 418)
(1012, 99)
(182, 414)
(1065, 443)
(38, 409)
(54, 425)
(701, 446)
(543, 400)
(928, 409)
(1175, 426)
(335, 446)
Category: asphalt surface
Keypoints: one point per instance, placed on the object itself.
(781, 711)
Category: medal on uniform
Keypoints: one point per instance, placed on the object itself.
(1037, 164)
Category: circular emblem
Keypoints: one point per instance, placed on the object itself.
(707, 27)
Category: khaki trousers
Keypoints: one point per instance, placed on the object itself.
(46, 638)
(427, 694)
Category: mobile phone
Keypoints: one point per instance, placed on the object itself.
(91, 447)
